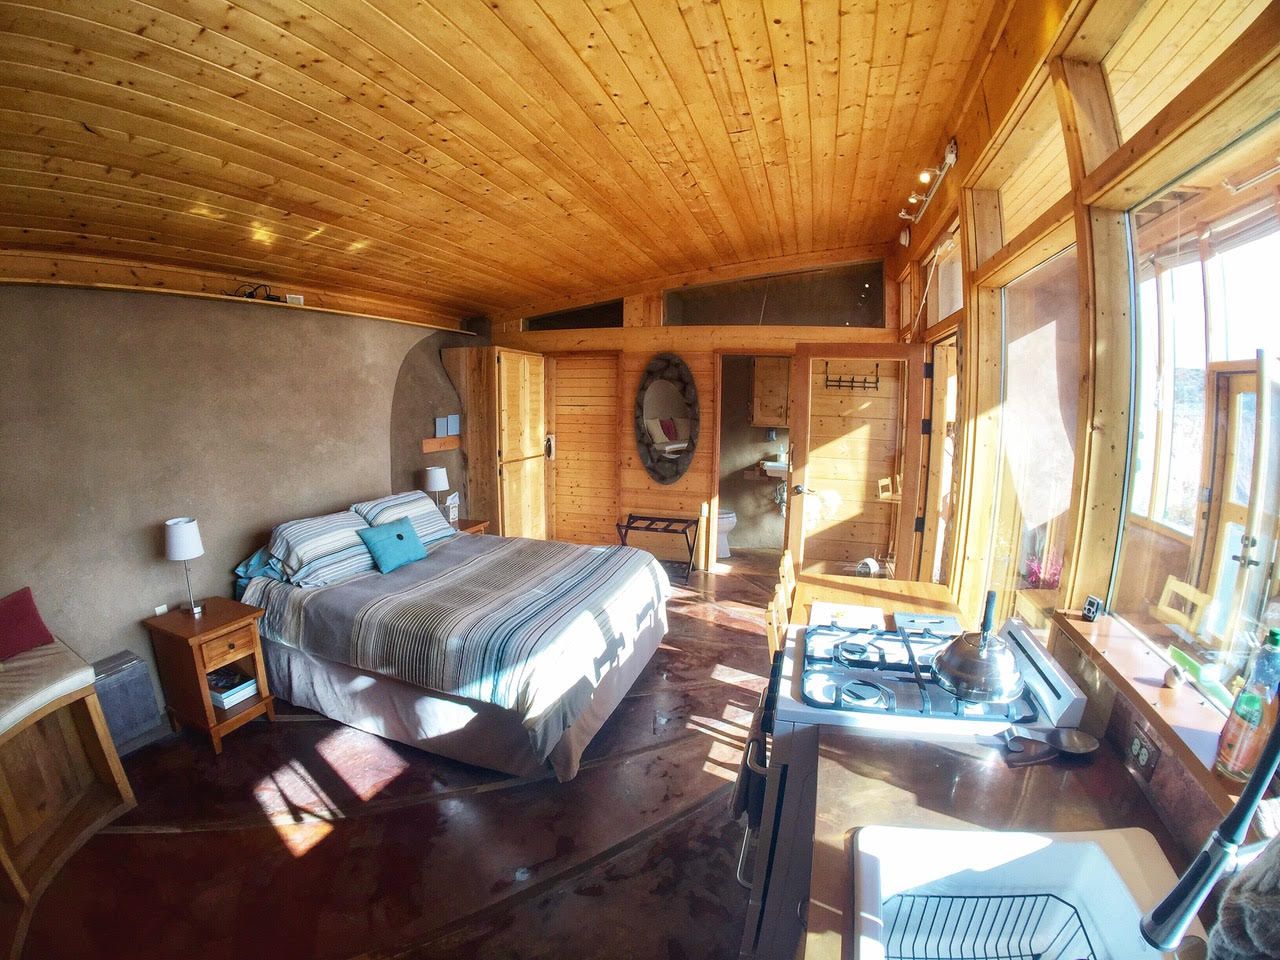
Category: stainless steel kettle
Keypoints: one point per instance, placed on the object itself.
(980, 667)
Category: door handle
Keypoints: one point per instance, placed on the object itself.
(799, 490)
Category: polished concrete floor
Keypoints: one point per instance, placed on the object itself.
(308, 839)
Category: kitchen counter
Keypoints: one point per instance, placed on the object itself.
(865, 780)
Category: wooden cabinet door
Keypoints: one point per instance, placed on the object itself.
(770, 386)
(524, 497)
(522, 426)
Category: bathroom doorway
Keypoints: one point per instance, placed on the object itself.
(751, 457)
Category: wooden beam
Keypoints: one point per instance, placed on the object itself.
(775, 341)
(1102, 444)
(19, 268)
(1089, 127)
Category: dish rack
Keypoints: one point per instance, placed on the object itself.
(1018, 927)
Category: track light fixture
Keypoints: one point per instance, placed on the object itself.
(931, 177)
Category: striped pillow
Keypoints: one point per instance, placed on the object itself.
(429, 524)
(319, 550)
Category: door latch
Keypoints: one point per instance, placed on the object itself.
(799, 490)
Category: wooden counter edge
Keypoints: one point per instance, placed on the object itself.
(1183, 707)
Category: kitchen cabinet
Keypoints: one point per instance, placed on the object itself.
(770, 391)
(504, 432)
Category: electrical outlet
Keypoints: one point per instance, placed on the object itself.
(163, 608)
(1142, 754)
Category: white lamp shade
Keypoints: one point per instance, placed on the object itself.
(182, 539)
(437, 479)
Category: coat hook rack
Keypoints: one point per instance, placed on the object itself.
(869, 384)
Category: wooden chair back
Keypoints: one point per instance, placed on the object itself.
(1194, 603)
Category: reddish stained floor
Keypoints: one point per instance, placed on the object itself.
(308, 839)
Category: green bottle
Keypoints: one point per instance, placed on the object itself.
(1252, 715)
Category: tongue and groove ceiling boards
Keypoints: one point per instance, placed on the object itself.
(457, 157)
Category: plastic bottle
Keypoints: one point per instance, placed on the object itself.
(1252, 715)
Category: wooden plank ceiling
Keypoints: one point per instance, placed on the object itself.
(447, 158)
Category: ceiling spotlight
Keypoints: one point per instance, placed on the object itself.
(952, 153)
(904, 237)
(926, 176)
(902, 214)
(914, 198)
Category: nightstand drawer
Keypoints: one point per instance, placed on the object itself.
(230, 646)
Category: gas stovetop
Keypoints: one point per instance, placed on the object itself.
(862, 674)
(867, 670)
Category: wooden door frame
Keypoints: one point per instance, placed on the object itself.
(929, 537)
(909, 354)
(717, 379)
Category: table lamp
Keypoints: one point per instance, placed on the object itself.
(182, 542)
(437, 481)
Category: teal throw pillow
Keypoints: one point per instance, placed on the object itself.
(393, 544)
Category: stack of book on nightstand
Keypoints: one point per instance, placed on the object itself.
(228, 686)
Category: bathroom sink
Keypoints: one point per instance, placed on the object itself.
(971, 893)
(775, 468)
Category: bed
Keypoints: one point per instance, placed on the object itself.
(502, 652)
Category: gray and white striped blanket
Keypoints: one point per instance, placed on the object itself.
(528, 625)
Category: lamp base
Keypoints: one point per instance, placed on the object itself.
(194, 609)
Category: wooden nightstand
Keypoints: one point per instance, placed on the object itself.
(469, 525)
(187, 648)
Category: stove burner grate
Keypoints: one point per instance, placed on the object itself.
(864, 693)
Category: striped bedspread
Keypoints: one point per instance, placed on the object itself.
(529, 625)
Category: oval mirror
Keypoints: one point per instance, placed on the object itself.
(666, 418)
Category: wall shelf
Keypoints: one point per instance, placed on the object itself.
(441, 444)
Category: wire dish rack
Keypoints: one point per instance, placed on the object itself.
(1019, 927)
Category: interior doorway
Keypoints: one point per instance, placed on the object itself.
(752, 441)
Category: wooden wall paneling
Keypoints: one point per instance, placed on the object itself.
(689, 496)
(1232, 95)
(643, 310)
(1165, 44)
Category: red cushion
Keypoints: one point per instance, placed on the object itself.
(21, 628)
(668, 428)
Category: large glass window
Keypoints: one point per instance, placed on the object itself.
(1198, 555)
(1038, 438)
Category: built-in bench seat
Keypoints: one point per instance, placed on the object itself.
(60, 777)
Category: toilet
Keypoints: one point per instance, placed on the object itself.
(725, 522)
